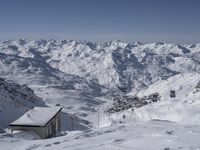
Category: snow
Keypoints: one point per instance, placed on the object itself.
(153, 135)
(26, 135)
(107, 63)
(184, 108)
(84, 77)
(38, 116)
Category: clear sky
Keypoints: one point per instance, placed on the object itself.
(101, 20)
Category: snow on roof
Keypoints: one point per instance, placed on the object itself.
(39, 116)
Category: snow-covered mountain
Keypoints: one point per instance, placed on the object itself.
(85, 77)
(15, 100)
(114, 64)
(79, 74)
(26, 63)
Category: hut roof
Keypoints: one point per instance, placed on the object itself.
(38, 116)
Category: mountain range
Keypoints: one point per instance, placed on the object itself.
(88, 79)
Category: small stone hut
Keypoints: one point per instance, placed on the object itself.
(44, 121)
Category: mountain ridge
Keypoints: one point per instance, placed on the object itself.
(111, 64)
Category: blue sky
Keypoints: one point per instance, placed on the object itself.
(101, 20)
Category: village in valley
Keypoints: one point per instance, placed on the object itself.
(57, 110)
(99, 75)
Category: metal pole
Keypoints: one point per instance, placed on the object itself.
(98, 117)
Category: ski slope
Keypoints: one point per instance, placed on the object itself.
(184, 108)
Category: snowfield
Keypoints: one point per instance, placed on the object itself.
(184, 108)
(86, 78)
(153, 135)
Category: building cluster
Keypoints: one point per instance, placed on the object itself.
(126, 102)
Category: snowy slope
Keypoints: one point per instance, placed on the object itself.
(184, 108)
(154, 135)
(15, 100)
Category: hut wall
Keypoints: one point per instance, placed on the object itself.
(38, 130)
